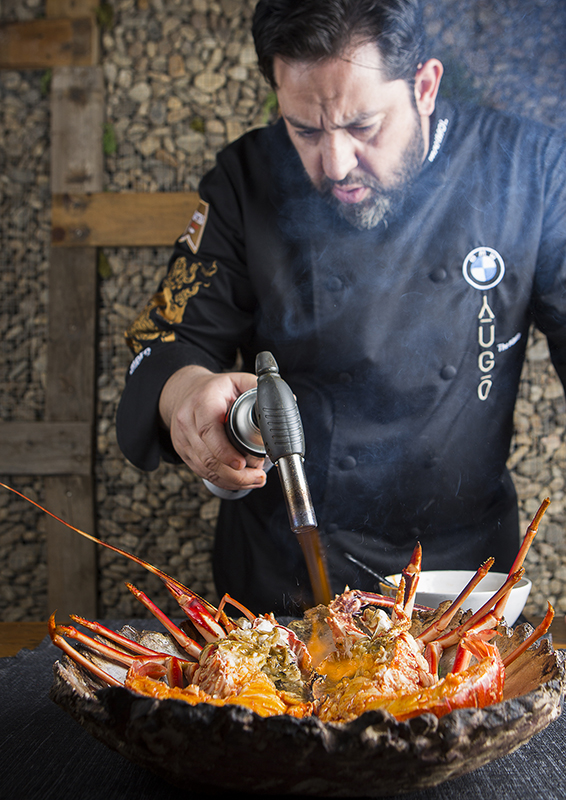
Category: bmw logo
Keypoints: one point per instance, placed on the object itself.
(483, 268)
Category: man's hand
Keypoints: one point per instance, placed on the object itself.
(193, 406)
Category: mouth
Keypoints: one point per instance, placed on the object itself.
(350, 194)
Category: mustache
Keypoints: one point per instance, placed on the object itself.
(352, 179)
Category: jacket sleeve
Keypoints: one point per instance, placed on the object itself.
(201, 314)
(549, 298)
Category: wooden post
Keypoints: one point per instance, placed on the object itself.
(77, 115)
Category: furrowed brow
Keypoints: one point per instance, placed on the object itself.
(357, 120)
(296, 123)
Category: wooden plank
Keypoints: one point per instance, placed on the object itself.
(70, 8)
(14, 636)
(77, 119)
(70, 389)
(77, 113)
(70, 394)
(71, 559)
(45, 448)
(44, 43)
(121, 219)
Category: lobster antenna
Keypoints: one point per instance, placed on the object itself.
(140, 561)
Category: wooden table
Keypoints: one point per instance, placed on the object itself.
(16, 635)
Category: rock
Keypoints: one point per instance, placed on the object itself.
(140, 92)
(149, 145)
(209, 81)
(238, 73)
(176, 65)
(191, 142)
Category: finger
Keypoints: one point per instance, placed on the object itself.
(196, 453)
(214, 444)
(239, 479)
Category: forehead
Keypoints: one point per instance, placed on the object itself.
(352, 84)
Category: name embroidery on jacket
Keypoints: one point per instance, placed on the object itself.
(486, 340)
(503, 346)
(138, 359)
(439, 134)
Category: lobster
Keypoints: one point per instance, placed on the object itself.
(338, 662)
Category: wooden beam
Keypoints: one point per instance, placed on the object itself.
(70, 8)
(70, 393)
(77, 113)
(70, 389)
(44, 43)
(71, 559)
(77, 119)
(45, 448)
(121, 219)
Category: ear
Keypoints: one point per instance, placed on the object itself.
(427, 83)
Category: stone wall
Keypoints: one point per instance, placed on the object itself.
(181, 82)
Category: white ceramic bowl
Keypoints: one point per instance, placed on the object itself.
(436, 586)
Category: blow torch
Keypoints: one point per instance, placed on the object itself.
(265, 422)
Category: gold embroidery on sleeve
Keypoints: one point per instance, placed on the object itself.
(181, 284)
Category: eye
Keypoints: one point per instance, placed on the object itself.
(306, 133)
(362, 130)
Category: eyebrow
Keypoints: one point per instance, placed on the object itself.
(363, 116)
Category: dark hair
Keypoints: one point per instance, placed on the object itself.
(309, 30)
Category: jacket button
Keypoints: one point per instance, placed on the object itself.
(331, 528)
(334, 284)
(347, 463)
(438, 275)
(448, 372)
(345, 378)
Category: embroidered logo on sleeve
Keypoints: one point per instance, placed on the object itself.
(195, 229)
(166, 308)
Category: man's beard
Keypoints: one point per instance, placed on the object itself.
(381, 202)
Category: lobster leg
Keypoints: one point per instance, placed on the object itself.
(112, 636)
(188, 644)
(431, 633)
(529, 536)
(411, 575)
(485, 618)
(157, 663)
(521, 555)
(56, 636)
(539, 631)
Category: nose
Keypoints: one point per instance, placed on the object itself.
(339, 156)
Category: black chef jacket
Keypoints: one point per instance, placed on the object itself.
(403, 345)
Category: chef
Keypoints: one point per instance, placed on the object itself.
(391, 251)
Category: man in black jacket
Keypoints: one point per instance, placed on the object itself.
(391, 251)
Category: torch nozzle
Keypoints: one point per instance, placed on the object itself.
(297, 494)
(281, 429)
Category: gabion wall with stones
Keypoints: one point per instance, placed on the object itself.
(181, 82)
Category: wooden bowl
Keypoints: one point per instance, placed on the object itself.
(233, 749)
